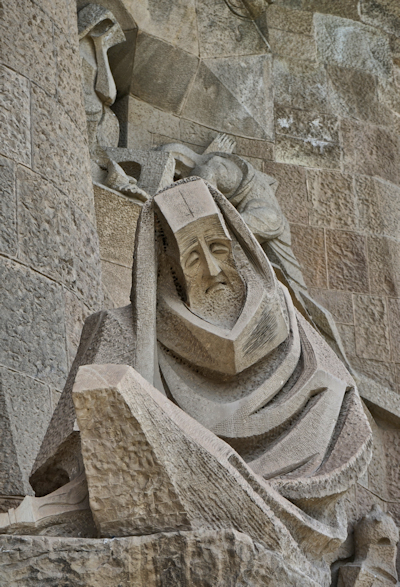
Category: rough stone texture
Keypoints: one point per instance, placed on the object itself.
(309, 248)
(333, 203)
(8, 208)
(224, 557)
(372, 328)
(347, 261)
(15, 119)
(27, 411)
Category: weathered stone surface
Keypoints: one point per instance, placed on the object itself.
(368, 206)
(309, 248)
(156, 121)
(24, 25)
(15, 118)
(394, 328)
(292, 45)
(384, 259)
(370, 150)
(292, 190)
(348, 338)
(249, 79)
(333, 204)
(116, 225)
(173, 22)
(8, 208)
(28, 410)
(347, 261)
(69, 82)
(353, 94)
(152, 81)
(224, 557)
(33, 332)
(44, 219)
(222, 34)
(286, 19)
(338, 303)
(75, 315)
(382, 13)
(350, 44)
(343, 8)
(60, 150)
(210, 103)
(371, 327)
(299, 84)
(254, 149)
(307, 153)
(61, 14)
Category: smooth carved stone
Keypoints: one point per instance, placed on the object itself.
(376, 538)
(226, 558)
(350, 44)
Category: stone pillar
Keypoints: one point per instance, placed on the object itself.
(49, 256)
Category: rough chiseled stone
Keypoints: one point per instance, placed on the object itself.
(333, 204)
(299, 84)
(23, 26)
(292, 190)
(292, 45)
(8, 208)
(33, 325)
(371, 327)
(309, 248)
(384, 258)
(15, 119)
(347, 261)
(286, 19)
(382, 13)
(338, 303)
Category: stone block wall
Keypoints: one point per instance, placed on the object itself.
(49, 255)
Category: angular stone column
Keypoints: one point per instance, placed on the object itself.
(49, 257)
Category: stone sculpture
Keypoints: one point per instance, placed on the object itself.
(376, 538)
(99, 31)
(220, 406)
(252, 193)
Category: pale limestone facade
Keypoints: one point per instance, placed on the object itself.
(308, 94)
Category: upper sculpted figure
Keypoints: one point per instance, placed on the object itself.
(229, 390)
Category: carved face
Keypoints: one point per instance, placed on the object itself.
(211, 277)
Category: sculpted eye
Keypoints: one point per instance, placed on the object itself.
(219, 249)
(192, 259)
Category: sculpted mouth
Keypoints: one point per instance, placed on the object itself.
(216, 285)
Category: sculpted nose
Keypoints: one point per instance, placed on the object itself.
(212, 267)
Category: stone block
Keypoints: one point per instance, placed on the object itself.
(384, 263)
(59, 149)
(33, 325)
(368, 206)
(286, 19)
(116, 217)
(332, 199)
(44, 222)
(221, 34)
(343, 8)
(292, 45)
(370, 150)
(26, 43)
(28, 407)
(69, 80)
(61, 14)
(152, 119)
(174, 22)
(377, 468)
(204, 558)
(117, 282)
(211, 104)
(311, 127)
(15, 119)
(254, 149)
(308, 153)
(8, 208)
(249, 80)
(161, 73)
(339, 304)
(381, 13)
(75, 315)
(388, 196)
(196, 134)
(353, 45)
(371, 327)
(347, 261)
(300, 84)
(292, 190)
(353, 94)
(309, 248)
(86, 260)
(138, 137)
(348, 338)
(391, 439)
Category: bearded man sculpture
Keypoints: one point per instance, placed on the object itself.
(208, 403)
